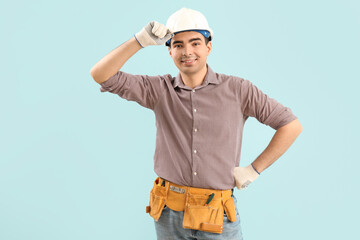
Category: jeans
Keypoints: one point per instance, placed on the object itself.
(169, 227)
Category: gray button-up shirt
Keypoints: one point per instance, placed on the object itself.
(199, 131)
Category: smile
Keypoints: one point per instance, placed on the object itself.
(189, 61)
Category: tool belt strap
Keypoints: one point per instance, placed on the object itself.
(203, 208)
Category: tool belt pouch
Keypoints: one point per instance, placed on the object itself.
(230, 210)
(204, 218)
(157, 201)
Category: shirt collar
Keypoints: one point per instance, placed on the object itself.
(210, 77)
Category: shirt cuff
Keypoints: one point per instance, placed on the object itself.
(106, 86)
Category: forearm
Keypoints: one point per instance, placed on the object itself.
(113, 61)
(281, 141)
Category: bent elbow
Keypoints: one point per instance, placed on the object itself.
(92, 73)
(294, 127)
(95, 76)
(298, 127)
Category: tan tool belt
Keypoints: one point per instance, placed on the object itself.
(197, 215)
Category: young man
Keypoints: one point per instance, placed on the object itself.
(200, 116)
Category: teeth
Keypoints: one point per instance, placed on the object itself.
(189, 61)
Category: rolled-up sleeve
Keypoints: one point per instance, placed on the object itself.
(143, 89)
(266, 110)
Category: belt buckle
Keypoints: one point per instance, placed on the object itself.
(177, 189)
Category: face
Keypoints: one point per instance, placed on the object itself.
(189, 51)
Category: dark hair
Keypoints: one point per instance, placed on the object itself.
(207, 40)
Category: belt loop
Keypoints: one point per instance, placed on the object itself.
(167, 186)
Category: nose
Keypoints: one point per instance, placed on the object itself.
(187, 50)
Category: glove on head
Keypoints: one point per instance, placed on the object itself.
(154, 33)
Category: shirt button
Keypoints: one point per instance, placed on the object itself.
(193, 90)
(195, 151)
(195, 130)
(195, 173)
(194, 109)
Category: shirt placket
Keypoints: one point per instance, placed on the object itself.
(194, 130)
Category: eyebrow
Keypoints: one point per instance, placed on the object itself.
(191, 40)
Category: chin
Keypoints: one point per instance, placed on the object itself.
(189, 70)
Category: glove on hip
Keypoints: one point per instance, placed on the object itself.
(244, 176)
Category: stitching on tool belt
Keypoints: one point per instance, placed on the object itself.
(177, 189)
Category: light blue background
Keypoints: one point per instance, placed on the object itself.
(78, 164)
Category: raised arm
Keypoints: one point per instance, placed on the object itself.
(114, 60)
(153, 33)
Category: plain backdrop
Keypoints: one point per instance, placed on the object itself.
(76, 163)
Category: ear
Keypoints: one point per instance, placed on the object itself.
(209, 47)
(169, 49)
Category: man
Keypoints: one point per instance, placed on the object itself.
(200, 116)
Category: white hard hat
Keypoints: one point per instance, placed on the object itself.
(187, 19)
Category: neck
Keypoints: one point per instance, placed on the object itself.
(194, 79)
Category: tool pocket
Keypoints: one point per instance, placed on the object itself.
(200, 217)
(230, 210)
(157, 201)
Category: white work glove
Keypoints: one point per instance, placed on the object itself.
(244, 176)
(154, 33)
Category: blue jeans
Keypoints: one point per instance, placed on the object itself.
(169, 227)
